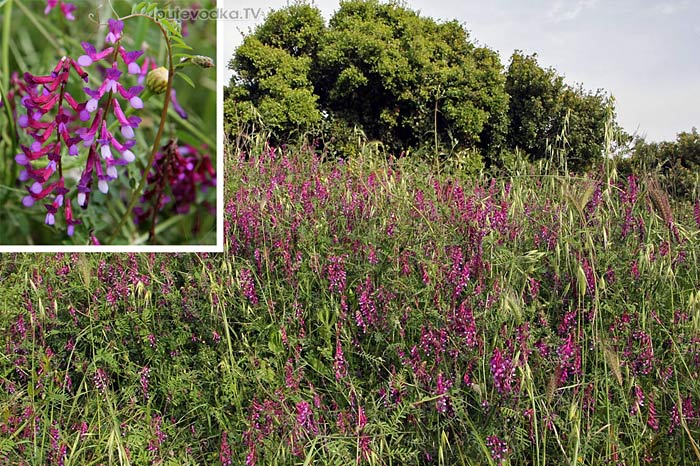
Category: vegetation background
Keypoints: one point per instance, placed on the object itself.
(431, 300)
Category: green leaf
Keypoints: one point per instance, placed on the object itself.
(138, 7)
(179, 43)
(186, 79)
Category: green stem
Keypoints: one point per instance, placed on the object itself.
(163, 117)
(6, 28)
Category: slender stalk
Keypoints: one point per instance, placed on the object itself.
(161, 127)
(6, 28)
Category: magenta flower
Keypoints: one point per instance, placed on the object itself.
(66, 8)
(115, 31)
(47, 95)
(499, 448)
(92, 55)
(502, 371)
(225, 452)
(184, 171)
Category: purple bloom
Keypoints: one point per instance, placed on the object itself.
(186, 172)
(57, 123)
(66, 8)
(336, 273)
(100, 379)
(115, 31)
(248, 286)
(92, 55)
(502, 371)
(499, 448)
(225, 455)
(653, 420)
(339, 363)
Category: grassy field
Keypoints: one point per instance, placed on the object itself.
(370, 312)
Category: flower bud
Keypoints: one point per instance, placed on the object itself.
(203, 61)
(157, 80)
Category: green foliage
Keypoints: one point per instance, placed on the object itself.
(277, 87)
(677, 162)
(534, 101)
(544, 111)
(409, 81)
(272, 82)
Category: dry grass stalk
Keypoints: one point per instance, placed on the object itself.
(659, 199)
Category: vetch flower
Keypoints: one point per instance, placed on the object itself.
(182, 170)
(92, 55)
(66, 8)
(115, 31)
(46, 96)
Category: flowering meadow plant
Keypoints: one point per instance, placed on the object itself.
(95, 118)
(368, 312)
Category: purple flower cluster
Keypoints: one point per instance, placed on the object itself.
(499, 448)
(502, 371)
(183, 170)
(60, 124)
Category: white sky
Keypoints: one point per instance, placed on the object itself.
(645, 52)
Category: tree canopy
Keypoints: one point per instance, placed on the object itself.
(412, 82)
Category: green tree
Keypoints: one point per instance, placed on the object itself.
(678, 162)
(534, 104)
(543, 108)
(410, 81)
(271, 88)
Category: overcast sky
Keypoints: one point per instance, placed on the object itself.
(645, 52)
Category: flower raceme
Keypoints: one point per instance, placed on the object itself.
(61, 123)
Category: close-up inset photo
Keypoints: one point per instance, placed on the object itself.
(107, 123)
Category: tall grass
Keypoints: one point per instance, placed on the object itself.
(369, 311)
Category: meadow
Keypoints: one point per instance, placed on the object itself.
(374, 311)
